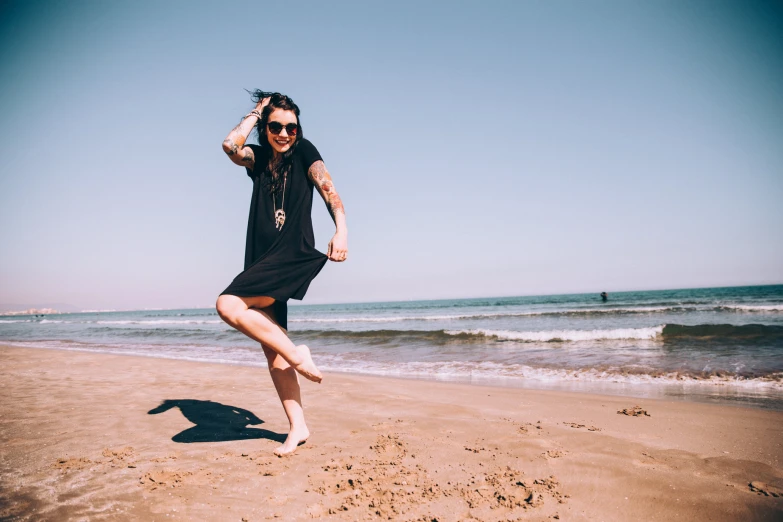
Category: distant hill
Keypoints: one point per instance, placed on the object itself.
(60, 307)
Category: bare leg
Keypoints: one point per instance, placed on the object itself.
(259, 326)
(287, 385)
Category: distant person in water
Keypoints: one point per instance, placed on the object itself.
(280, 255)
(604, 296)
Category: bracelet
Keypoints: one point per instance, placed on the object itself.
(254, 113)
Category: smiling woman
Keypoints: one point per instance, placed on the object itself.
(280, 255)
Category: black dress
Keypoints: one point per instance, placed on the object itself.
(280, 263)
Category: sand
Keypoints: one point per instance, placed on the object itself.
(89, 436)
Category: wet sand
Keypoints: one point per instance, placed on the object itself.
(102, 437)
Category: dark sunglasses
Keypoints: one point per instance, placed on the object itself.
(275, 127)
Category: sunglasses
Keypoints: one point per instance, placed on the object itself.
(275, 127)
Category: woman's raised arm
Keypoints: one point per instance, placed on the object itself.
(234, 144)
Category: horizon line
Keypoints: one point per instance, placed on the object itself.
(436, 299)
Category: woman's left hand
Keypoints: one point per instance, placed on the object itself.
(338, 247)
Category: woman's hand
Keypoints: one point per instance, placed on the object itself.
(263, 103)
(338, 247)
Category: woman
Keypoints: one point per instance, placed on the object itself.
(280, 254)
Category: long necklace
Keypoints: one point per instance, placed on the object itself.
(279, 212)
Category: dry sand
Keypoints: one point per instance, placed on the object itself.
(102, 437)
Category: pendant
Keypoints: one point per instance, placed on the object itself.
(279, 219)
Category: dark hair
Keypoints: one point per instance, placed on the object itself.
(273, 178)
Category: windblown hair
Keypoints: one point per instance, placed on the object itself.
(273, 178)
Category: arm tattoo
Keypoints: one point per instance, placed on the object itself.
(235, 140)
(317, 172)
(336, 204)
(232, 147)
(249, 156)
(238, 139)
(321, 178)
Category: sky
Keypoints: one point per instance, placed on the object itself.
(480, 148)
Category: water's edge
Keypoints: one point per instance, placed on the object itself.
(708, 394)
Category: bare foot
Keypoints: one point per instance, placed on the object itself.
(295, 439)
(307, 368)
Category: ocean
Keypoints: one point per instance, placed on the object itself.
(710, 344)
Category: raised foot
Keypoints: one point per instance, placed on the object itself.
(295, 439)
(307, 367)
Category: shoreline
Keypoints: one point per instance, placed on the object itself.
(115, 437)
(743, 393)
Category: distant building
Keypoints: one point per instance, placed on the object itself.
(32, 311)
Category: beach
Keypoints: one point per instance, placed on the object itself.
(568, 306)
(95, 436)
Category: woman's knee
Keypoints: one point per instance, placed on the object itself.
(229, 306)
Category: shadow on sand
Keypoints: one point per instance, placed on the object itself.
(215, 422)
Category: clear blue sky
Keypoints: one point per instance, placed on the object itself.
(480, 148)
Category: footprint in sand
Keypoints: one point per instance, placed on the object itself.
(554, 454)
(764, 489)
(528, 427)
(125, 456)
(168, 478)
(164, 459)
(577, 426)
(390, 443)
(636, 411)
(121, 457)
(70, 464)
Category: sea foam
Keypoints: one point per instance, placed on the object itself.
(566, 335)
